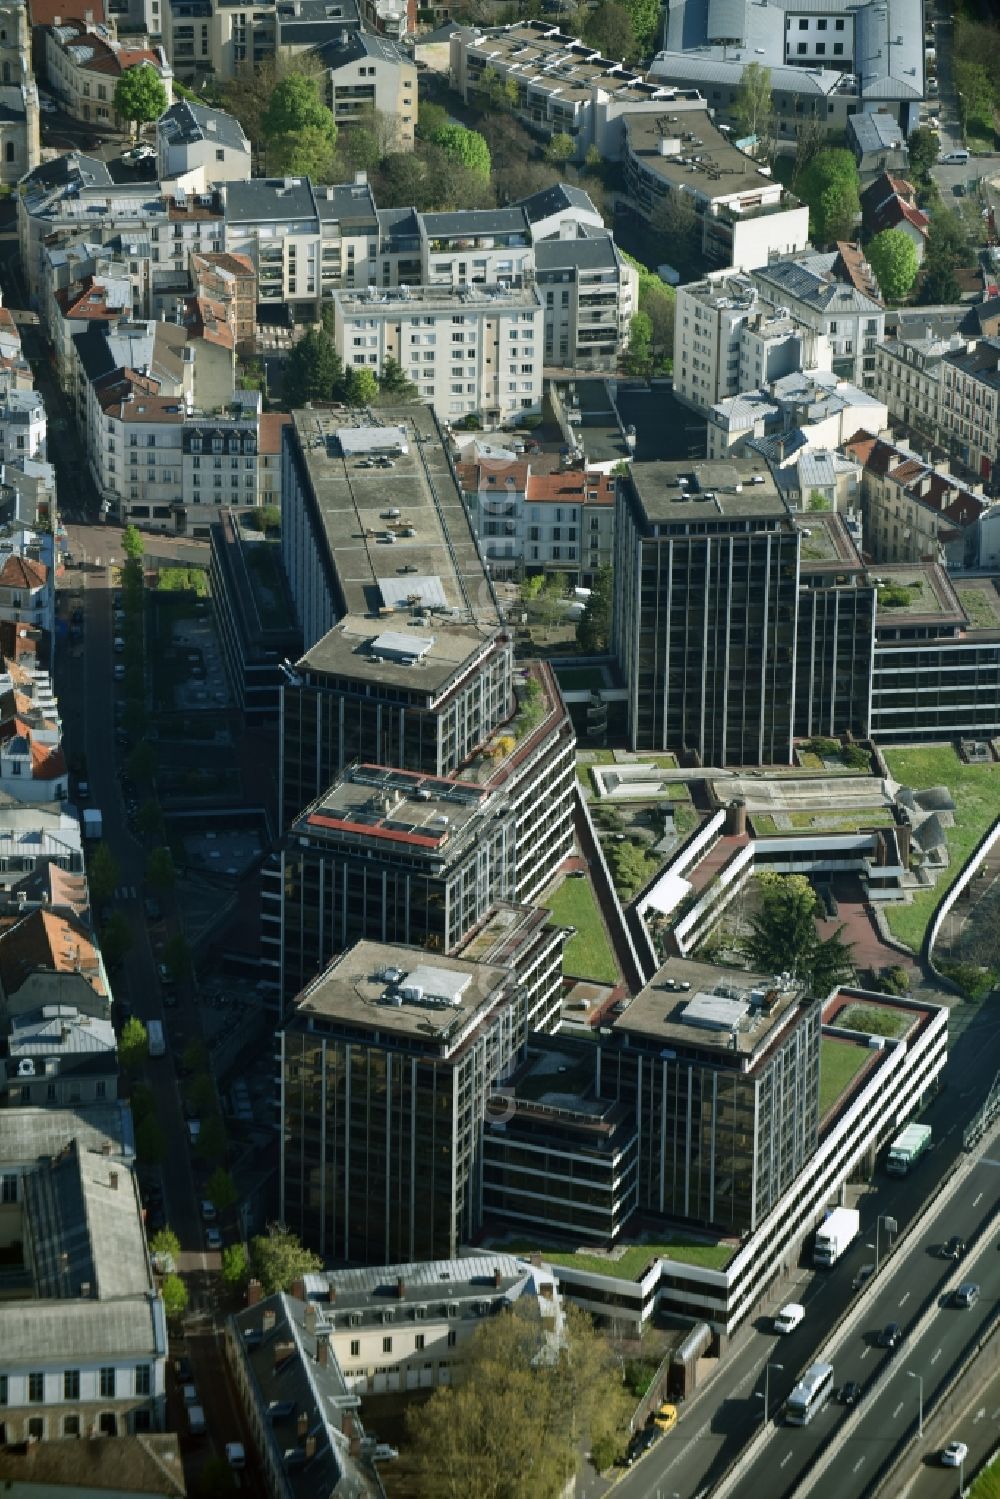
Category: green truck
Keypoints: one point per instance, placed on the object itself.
(907, 1149)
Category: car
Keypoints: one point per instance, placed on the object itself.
(83, 790)
(666, 1417)
(789, 1318)
(954, 1455)
(967, 1294)
(46, 105)
(862, 1278)
(933, 123)
(207, 1210)
(119, 644)
(236, 1455)
(891, 1335)
(163, 974)
(190, 1393)
(213, 1238)
(153, 909)
(954, 1249)
(640, 1444)
(182, 1370)
(850, 1392)
(119, 672)
(139, 153)
(194, 1130)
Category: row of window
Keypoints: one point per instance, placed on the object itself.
(109, 1382)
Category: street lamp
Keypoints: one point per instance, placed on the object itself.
(767, 1386)
(890, 1225)
(920, 1397)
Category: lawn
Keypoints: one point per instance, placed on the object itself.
(825, 822)
(987, 1485)
(979, 606)
(588, 953)
(839, 1063)
(874, 1019)
(580, 678)
(976, 792)
(631, 1264)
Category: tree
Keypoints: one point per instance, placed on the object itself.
(784, 936)
(201, 1094)
(362, 386)
(938, 287)
(150, 1141)
(102, 875)
(166, 1242)
(753, 106)
(294, 107)
(235, 1265)
(313, 370)
(116, 939)
(658, 302)
(277, 1258)
(676, 222)
(139, 95)
(133, 1045)
(309, 152)
(829, 185)
(645, 17)
(609, 28)
(212, 1139)
(161, 875)
(630, 867)
(194, 1057)
(177, 957)
(268, 518)
(892, 255)
(393, 383)
(221, 1189)
(639, 355)
(175, 1297)
(141, 763)
(560, 148)
(594, 630)
(135, 722)
(215, 1478)
(839, 211)
(149, 818)
(501, 92)
(432, 118)
(132, 542)
(923, 147)
(466, 147)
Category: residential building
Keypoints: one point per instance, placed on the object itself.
(563, 86)
(84, 60)
(811, 409)
(469, 351)
(826, 64)
(20, 138)
(200, 38)
(37, 838)
(706, 562)
(195, 141)
(57, 1056)
(891, 203)
(50, 960)
(591, 293)
(104, 298)
(392, 1169)
(32, 763)
(148, 1463)
(970, 403)
(561, 211)
(561, 522)
(230, 280)
(909, 376)
(364, 73)
(745, 215)
(808, 288)
(915, 511)
(878, 143)
(727, 340)
(83, 1336)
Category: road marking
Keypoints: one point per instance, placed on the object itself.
(857, 1465)
(906, 1298)
(895, 1414)
(995, 1416)
(980, 1415)
(935, 1355)
(865, 1352)
(786, 1459)
(985, 1160)
(977, 1200)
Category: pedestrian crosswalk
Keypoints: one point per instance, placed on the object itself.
(126, 892)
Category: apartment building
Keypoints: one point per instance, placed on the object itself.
(706, 561)
(562, 522)
(84, 60)
(39, 840)
(727, 340)
(364, 72)
(32, 763)
(808, 288)
(915, 511)
(20, 137)
(563, 86)
(591, 293)
(969, 405)
(201, 38)
(909, 376)
(826, 63)
(230, 281)
(194, 140)
(469, 351)
(83, 1336)
(812, 409)
(391, 1169)
(746, 216)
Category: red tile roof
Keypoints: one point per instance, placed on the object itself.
(44, 12)
(272, 424)
(22, 572)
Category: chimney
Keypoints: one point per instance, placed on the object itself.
(497, 1278)
(88, 17)
(361, 178)
(400, 1287)
(310, 1448)
(254, 1292)
(105, 1147)
(268, 1322)
(323, 1349)
(331, 1293)
(113, 1181)
(299, 1289)
(310, 1317)
(736, 818)
(302, 1426)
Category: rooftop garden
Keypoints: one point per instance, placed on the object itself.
(588, 953)
(839, 1064)
(635, 1259)
(976, 792)
(841, 820)
(981, 604)
(874, 1020)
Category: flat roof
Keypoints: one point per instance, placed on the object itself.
(395, 807)
(719, 1004)
(698, 155)
(930, 591)
(389, 301)
(349, 650)
(685, 490)
(356, 989)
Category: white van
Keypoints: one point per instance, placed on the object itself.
(196, 1420)
(789, 1317)
(954, 158)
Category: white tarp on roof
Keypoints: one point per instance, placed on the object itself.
(667, 894)
(355, 440)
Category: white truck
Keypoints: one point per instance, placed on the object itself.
(155, 1039)
(93, 823)
(907, 1148)
(838, 1230)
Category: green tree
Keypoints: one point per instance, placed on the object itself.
(141, 764)
(268, 518)
(149, 818)
(892, 255)
(295, 106)
(139, 95)
(609, 28)
(277, 1258)
(132, 543)
(432, 118)
(361, 386)
(161, 874)
(638, 358)
(175, 1297)
(215, 1478)
(195, 1056)
(133, 1045)
(753, 106)
(501, 92)
(150, 1142)
(829, 185)
(923, 146)
(645, 17)
(212, 1139)
(201, 1094)
(976, 98)
(466, 147)
(560, 148)
(221, 1189)
(630, 867)
(676, 223)
(394, 386)
(102, 875)
(304, 153)
(593, 633)
(784, 936)
(235, 1265)
(116, 939)
(839, 211)
(166, 1242)
(177, 957)
(313, 370)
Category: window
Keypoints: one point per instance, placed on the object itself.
(803, 25)
(355, 1348)
(71, 1384)
(803, 49)
(418, 1342)
(838, 49)
(838, 25)
(9, 151)
(36, 1388)
(36, 1429)
(8, 1191)
(3, 1389)
(143, 1379)
(108, 1383)
(386, 1345)
(820, 48)
(452, 1337)
(821, 24)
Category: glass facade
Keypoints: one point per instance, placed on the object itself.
(935, 689)
(833, 682)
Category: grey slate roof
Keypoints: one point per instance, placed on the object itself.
(809, 279)
(42, 1332)
(338, 50)
(351, 204)
(269, 200)
(82, 1217)
(185, 124)
(597, 254)
(555, 199)
(510, 220)
(29, 1135)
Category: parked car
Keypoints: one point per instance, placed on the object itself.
(213, 1238)
(666, 1417)
(139, 153)
(640, 1444)
(46, 105)
(236, 1455)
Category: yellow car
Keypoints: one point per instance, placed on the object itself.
(666, 1417)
